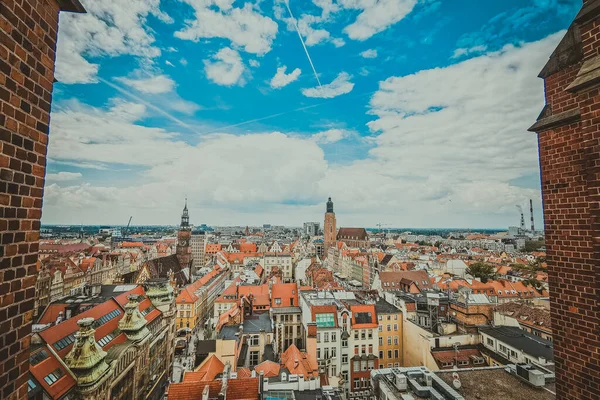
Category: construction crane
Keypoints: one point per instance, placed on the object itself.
(124, 233)
(379, 225)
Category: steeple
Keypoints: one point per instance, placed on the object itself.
(329, 206)
(185, 218)
(133, 324)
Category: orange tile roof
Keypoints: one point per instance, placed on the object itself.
(248, 247)
(132, 244)
(363, 308)
(269, 368)
(238, 389)
(210, 368)
(298, 362)
(244, 373)
(187, 294)
(286, 292)
(44, 368)
(213, 248)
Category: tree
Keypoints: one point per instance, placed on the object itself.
(481, 270)
(533, 245)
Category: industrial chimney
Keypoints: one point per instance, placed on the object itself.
(531, 212)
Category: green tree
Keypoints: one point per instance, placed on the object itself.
(533, 245)
(481, 270)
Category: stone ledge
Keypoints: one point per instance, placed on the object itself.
(71, 6)
(546, 122)
(587, 77)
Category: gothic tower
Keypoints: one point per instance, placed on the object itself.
(184, 236)
(329, 228)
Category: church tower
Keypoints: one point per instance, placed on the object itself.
(329, 227)
(184, 236)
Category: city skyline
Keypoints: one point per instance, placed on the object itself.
(429, 133)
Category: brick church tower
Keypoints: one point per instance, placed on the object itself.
(329, 228)
(28, 30)
(184, 236)
(569, 149)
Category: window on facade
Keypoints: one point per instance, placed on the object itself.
(389, 327)
(380, 328)
(502, 348)
(363, 349)
(318, 337)
(370, 334)
(355, 349)
(344, 343)
(389, 354)
(396, 354)
(326, 351)
(395, 327)
(395, 340)
(355, 335)
(490, 342)
(333, 370)
(277, 301)
(325, 320)
(254, 340)
(380, 341)
(362, 334)
(333, 352)
(389, 340)
(363, 365)
(344, 358)
(254, 358)
(356, 383)
(371, 365)
(326, 337)
(333, 337)
(356, 366)
(53, 376)
(381, 354)
(318, 353)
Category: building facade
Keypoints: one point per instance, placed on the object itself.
(198, 243)
(390, 329)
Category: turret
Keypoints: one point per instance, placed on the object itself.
(160, 292)
(133, 324)
(86, 359)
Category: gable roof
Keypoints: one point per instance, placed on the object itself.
(298, 362)
(160, 267)
(210, 368)
(352, 234)
(391, 280)
(285, 292)
(269, 368)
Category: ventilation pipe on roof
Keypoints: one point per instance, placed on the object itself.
(205, 393)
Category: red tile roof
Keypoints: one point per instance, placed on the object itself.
(210, 368)
(269, 368)
(238, 389)
(286, 292)
(364, 309)
(298, 362)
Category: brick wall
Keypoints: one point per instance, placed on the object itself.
(28, 31)
(570, 175)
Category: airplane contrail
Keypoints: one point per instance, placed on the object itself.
(147, 104)
(287, 4)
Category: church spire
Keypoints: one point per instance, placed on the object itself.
(185, 218)
(329, 206)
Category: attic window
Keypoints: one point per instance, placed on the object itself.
(54, 376)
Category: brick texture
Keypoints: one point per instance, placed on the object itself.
(28, 31)
(570, 175)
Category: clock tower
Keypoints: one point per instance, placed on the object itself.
(184, 236)
(329, 228)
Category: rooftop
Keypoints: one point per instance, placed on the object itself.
(522, 340)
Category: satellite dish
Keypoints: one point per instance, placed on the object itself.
(456, 383)
(455, 375)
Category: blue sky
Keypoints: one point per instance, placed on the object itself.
(415, 113)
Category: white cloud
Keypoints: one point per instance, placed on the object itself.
(153, 84)
(227, 69)
(371, 53)
(169, 63)
(460, 52)
(338, 42)
(63, 176)
(376, 16)
(281, 79)
(183, 62)
(254, 63)
(245, 27)
(340, 85)
(107, 29)
(330, 136)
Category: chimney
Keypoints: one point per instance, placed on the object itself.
(223, 392)
(205, 393)
(296, 363)
(59, 319)
(531, 212)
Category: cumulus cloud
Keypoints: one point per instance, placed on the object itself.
(153, 84)
(371, 53)
(330, 136)
(282, 79)
(463, 51)
(226, 69)
(375, 16)
(245, 27)
(338, 42)
(107, 29)
(340, 85)
(63, 176)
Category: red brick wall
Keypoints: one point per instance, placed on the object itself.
(27, 48)
(570, 175)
